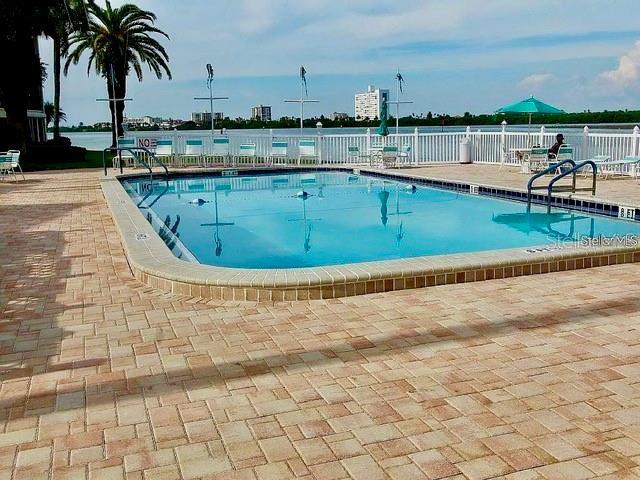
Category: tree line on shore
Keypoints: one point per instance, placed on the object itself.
(428, 120)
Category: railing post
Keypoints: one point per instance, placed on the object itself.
(319, 141)
(541, 138)
(468, 131)
(585, 142)
(368, 140)
(636, 137)
(503, 142)
(416, 144)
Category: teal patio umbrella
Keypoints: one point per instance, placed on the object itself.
(529, 105)
(383, 130)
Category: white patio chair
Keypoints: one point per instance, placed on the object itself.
(307, 151)
(404, 156)
(246, 154)
(389, 156)
(127, 157)
(164, 150)
(279, 152)
(5, 166)
(221, 150)
(538, 160)
(193, 153)
(355, 155)
(15, 161)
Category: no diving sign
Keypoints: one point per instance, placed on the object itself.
(148, 143)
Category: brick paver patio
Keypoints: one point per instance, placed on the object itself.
(104, 378)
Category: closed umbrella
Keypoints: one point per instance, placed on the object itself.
(530, 105)
(383, 130)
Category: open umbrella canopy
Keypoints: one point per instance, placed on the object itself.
(383, 130)
(529, 105)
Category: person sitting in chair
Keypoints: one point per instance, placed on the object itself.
(553, 151)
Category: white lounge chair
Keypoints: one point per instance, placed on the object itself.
(221, 150)
(127, 157)
(15, 161)
(307, 151)
(164, 150)
(193, 154)
(279, 152)
(607, 167)
(246, 154)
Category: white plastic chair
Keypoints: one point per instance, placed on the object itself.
(15, 161)
(307, 151)
(355, 155)
(193, 153)
(127, 157)
(279, 152)
(164, 149)
(5, 166)
(221, 149)
(404, 155)
(246, 154)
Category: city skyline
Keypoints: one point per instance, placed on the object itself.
(448, 63)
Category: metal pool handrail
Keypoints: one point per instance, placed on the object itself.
(573, 170)
(549, 169)
(141, 160)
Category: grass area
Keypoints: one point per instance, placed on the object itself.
(93, 159)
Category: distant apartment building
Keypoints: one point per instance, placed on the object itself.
(205, 117)
(369, 103)
(339, 116)
(261, 112)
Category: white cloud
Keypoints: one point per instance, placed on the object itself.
(628, 71)
(535, 80)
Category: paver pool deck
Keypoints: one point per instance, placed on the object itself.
(105, 378)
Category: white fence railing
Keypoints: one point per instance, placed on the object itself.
(425, 148)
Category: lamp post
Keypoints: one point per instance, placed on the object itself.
(211, 98)
(400, 80)
(302, 100)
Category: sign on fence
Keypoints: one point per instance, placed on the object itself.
(147, 142)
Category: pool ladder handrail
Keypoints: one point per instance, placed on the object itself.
(549, 169)
(133, 150)
(573, 170)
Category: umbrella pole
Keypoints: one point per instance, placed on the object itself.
(529, 132)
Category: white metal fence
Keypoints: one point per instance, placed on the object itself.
(425, 148)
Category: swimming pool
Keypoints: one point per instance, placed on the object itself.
(323, 218)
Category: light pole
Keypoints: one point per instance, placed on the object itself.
(211, 98)
(400, 80)
(302, 100)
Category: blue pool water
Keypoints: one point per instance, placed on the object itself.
(260, 222)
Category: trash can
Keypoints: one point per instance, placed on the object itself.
(465, 150)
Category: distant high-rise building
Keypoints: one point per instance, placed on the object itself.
(205, 117)
(261, 112)
(339, 116)
(369, 103)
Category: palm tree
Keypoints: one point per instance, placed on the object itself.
(64, 18)
(52, 113)
(119, 39)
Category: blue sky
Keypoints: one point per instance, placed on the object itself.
(455, 55)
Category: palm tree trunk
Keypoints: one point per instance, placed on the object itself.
(120, 92)
(111, 94)
(56, 87)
